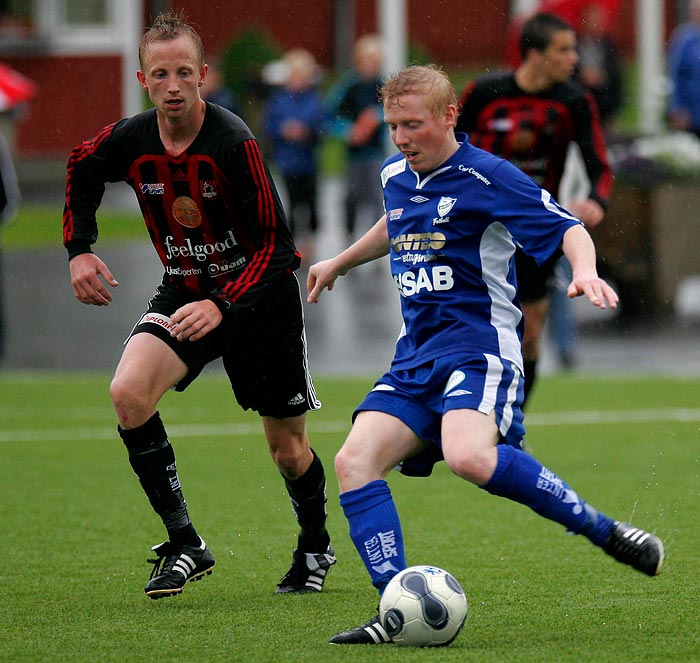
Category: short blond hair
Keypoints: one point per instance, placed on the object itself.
(170, 26)
(427, 80)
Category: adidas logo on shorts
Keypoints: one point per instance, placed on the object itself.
(296, 400)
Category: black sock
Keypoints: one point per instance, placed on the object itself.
(153, 460)
(530, 366)
(308, 497)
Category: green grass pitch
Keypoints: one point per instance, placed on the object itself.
(76, 531)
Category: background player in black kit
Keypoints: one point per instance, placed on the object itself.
(228, 290)
(530, 116)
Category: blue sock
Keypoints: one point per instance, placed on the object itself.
(375, 530)
(521, 478)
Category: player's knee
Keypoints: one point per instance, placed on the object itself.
(350, 469)
(129, 402)
(345, 465)
(287, 464)
(474, 465)
(292, 456)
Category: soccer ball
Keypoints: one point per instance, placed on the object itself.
(423, 606)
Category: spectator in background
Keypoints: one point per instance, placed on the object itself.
(354, 104)
(530, 116)
(599, 66)
(9, 205)
(684, 72)
(293, 123)
(215, 90)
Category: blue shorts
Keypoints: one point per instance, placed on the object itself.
(419, 397)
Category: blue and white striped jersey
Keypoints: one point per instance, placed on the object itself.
(452, 234)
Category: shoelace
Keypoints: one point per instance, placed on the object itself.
(164, 563)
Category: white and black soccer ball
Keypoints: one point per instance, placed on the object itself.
(423, 606)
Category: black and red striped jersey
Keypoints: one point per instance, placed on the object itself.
(533, 131)
(213, 213)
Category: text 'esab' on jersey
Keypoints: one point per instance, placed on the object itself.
(213, 213)
(452, 234)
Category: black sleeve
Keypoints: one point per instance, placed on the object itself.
(591, 140)
(90, 165)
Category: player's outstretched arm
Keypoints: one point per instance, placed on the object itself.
(372, 245)
(88, 275)
(580, 251)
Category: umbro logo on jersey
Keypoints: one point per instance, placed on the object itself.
(419, 199)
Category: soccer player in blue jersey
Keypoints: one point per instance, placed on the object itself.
(454, 215)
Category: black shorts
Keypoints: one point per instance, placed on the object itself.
(263, 348)
(535, 282)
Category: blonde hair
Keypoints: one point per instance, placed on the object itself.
(170, 26)
(427, 80)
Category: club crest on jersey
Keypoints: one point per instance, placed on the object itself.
(208, 190)
(445, 205)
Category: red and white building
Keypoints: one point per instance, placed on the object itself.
(82, 54)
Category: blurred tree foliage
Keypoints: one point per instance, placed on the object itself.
(243, 59)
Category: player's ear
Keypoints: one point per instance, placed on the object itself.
(142, 79)
(451, 114)
(203, 74)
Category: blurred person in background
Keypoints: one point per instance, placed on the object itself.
(293, 122)
(598, 67)
(684, 72)
(530, 116)
(214, 89)
(354, 104)
(10, 199)
(228, 291)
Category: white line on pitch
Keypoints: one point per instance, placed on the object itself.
(241, 430)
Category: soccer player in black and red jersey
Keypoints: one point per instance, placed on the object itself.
(530, 116)
(229, 290)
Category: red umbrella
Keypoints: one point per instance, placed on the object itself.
(14, 88)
